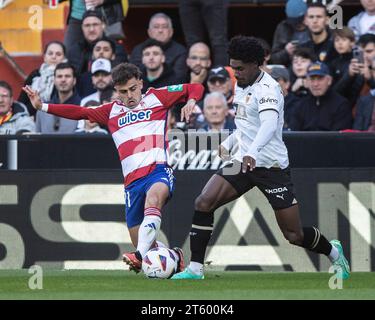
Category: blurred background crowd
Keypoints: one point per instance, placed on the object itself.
(326, 71)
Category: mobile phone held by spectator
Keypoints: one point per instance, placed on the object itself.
(358, 54)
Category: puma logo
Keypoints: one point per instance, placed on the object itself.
(280, 196)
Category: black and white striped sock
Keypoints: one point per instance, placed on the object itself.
(314, 241)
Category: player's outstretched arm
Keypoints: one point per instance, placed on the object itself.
(69, 111)
(34, 97)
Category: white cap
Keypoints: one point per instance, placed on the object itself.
(101, 65)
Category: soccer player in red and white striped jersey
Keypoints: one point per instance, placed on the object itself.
(138, 124)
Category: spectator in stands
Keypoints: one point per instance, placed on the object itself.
(301, 60)
(367, 44)
(161, 29)
(267, 54)
(80, 53)
(365, 114)
(364, 22)
(103, 48)
(281, 75)
(321, 43)
(156, 73)
(206, 17)
(14, 118)
(41, 79)
(198, 62)
(344, 41)
(215, 110)
(359, 78)
(323, 109)
(65, 81)
(107, 95)
(218, 80)
(289, 33)
(101, 79)
(113, 15)
(89, 127)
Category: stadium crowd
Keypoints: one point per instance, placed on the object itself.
(327, 76)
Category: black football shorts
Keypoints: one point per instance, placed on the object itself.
(275, 183)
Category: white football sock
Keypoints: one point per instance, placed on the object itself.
(334, 254)
(148, 230)
(196, 267)
(177, 257)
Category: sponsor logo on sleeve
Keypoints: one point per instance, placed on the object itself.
(175, 88)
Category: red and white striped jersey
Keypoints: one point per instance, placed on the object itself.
(138, 133)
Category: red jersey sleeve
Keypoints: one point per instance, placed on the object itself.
(179, 93)
(94, 114)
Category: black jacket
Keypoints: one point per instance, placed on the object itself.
(167, 78)
(365, 107)
(340, 65)
(349, 87)
(111, 10)
(324, 51)
(291, 102)
(80, 55)
(330, 112)
(175, 57)
(284, 33)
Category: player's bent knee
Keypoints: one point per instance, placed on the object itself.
(204, 203)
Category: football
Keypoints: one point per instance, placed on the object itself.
(159, 263)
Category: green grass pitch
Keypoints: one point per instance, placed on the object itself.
(91, 284)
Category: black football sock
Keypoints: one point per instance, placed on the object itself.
(314, 241)
(200, 234)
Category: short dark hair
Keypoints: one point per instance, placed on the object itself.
(5, 85)
(125, 71)
(305, 53)
(106, 94)
(246, 49)
(109, 40)
(65, 65)
(365, 39)
(93, 13)
(345, 32)
(317, 5)
(266, 46)
(152, 43)
(54, 42)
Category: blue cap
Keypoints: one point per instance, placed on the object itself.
(318, 69)
(295, 8)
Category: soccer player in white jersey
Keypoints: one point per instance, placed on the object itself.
(138, 125)
(261, 159)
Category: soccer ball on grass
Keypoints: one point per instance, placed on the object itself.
(159, 263)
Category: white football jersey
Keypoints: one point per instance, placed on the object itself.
(264, 94)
